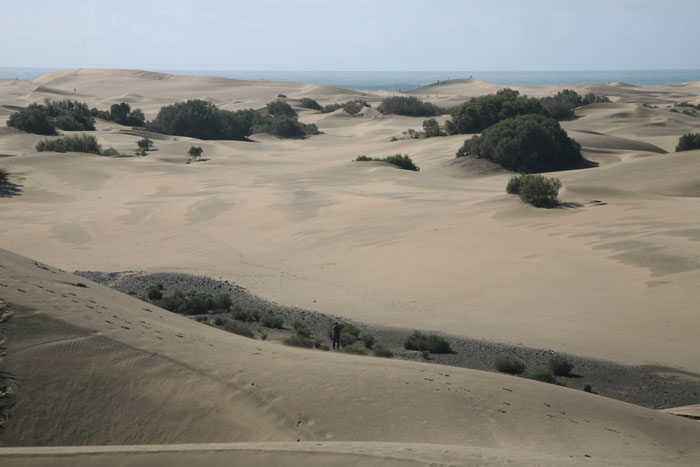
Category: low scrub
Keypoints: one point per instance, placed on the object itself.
(544, 375)
(535, 189)
(402, 162)
(526, 144)
(271, 320)
(379, 350)
(284, 127)
(301, 328)
(353, 107)
(510, 365)
(560, 365)
(353, 348)
(280, 108)
(299, 341)
(367, 339)
(309, 103)
(194, 302)
(237, 328)
(431, 128)
(430, 342)
(688, 142)
(121, 113)
(410, 106)
(43, 119)
(74, 143)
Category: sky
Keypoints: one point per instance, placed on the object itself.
(357, 35)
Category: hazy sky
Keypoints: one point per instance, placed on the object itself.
(406, 35)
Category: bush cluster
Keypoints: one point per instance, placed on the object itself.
(560, 365)
(351, 107)
(309, 103)
(381, 351)
(410, 106)
(526, 143)
(271, 320)
(402, 162)
(431, 128)
(193, 302)
(121, 113)
(283, 126)
(510, 365)
(43, 119)
(535, 189)
(74, 143)
(688, 142)
(279, 107)
(479, 113)
(430, 342)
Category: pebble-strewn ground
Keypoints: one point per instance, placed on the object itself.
(653, 387)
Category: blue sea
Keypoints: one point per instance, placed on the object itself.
(406, 80)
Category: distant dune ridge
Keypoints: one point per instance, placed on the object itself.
(94, 377)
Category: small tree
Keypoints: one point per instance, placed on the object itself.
(195, 152)
(144, 145)
(431, 127)
(688, 142)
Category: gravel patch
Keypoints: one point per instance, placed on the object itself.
(649, 386)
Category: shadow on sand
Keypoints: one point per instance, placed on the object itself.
(8, 189)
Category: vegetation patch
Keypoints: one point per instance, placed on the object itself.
(535, 189)
(309, 103)
(510, 365)
(560, 366)
(193, 302)
(410, 106)
(688, 142)
(430, 342)
(402, 162)
(122, 114)
(527, 143)
(353, 107)
(431, 128)
(43, 119)
(299, 341)
(544, 375)
(74, 143)
(271, 320)
(280, 108)
(354, 348)
(379, 350)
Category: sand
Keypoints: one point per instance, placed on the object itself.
(611, 275)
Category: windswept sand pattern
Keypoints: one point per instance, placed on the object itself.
(611, 274)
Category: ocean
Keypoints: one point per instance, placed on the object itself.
(406, 80)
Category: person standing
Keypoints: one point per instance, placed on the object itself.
(335, 336)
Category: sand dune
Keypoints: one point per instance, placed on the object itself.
(130, 373)
(612, 274)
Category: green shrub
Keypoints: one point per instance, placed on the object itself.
(74, 143)
(410, 106)
(301, 328)
(588, 388)
(263, 336)
(513, 186)
(353, 348)
(309, 103)
(319, 344)
(284, 127)
(544, 375)
(242, 315)
(145, 144)
(219, 321)
(280, 108)
(192, 302)
(402, 162)
(560, 365)
(430, 342)
(380, 351)
(351, 107)
(33, 119)
(222, 301)
(688, 142)
(299, 341)
(110, 152)
(510, 365)
(237, 328)
(527, 143)
(425, 354)
(154, 293)
(201, 119)
(367, 339)
(431, 128)
(195, 153)
(201, 318)
(538, 190)
(271, 320)
(364, 158)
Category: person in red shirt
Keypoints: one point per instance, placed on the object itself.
(335, 336)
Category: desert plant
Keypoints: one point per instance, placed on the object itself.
(431, 128)
(380, 351)
(154, 293)
(513, 186)
(33, 119)
(145, 144)
(688, 142)
(587, 387)
(410, 106)
(195, 152)
(527, 143)
(301, 328)
(538, 190)
(110, 152)
(242, 315)
(402, 162)
(367, 339)
(353, 348)
(544, 375)
(271, 320)
(75, 143)
(237, 328)
(560, 365)
(280, 108)
(309, 103)
(263, 336)
(299, 341)
(510, 365)
(430, 342)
